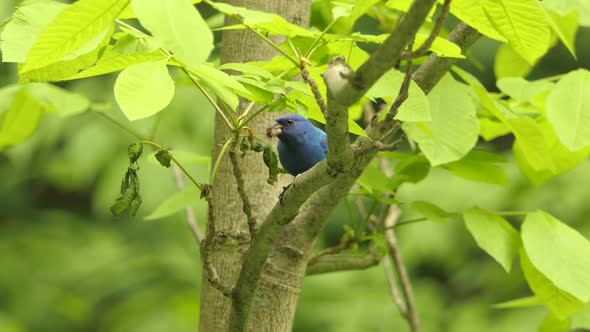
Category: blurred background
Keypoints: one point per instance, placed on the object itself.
(67, 265)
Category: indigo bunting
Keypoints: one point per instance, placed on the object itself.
(301, 145)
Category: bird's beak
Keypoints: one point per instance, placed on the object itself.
(274, 130)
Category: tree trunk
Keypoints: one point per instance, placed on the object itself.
(277, 296)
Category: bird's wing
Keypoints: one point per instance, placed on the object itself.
(324, 141)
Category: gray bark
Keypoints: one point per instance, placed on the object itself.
(277, 295)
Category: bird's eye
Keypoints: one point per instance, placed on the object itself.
(290, 121)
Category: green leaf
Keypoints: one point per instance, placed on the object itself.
(81, 59)
(20, 120)
(494, 235)
(404, 6)
(359, 8)
(128, 11)
(416, 106)
(479, 166)
(130, 198)
(561, 303)
(582, 319)
(472, 13)
(454, 128)
(563, 8)
(441, 46)
(112, 61)
(175, 203)
(58, 100)
(178, 26)
(71, 29)
(524, 302)
(529, 136)
(374, 181)
(144, 89)
(551, 323)
(133, 42)
(412, 169)
(565, 27)
(508, 63)
(272, 163)
(214, 79)
(269, 23)
(430, 211)
(490, 129)
(522, 90)
(567, 109)
(164, 157)
(134, 151)
(523, 24)
(247, 69)
(567, 264)
(27, 22)
(562, 160)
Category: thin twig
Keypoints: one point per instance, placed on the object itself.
(209, 98)
(406, 286)
(395, 295)
(433, 34)
(128, 129)
(334, 263)
(246, 206)
(332, 250)
(206, 247)
(316, 91)
(403, 90)
(188, 210)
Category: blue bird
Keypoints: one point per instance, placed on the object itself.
(301, 145)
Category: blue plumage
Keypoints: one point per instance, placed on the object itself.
(301, 144)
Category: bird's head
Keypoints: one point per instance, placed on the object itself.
(288, 125)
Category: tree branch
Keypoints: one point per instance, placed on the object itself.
(395, 295)
(332, 250)
(435, 67)
(335, 263)
(411, 313)
(340, 97)
(189, 212)
(401, 96)
(315, 90)
(433, 34)
(246, 206)
(206, 247)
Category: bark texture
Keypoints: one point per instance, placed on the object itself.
(278, 292)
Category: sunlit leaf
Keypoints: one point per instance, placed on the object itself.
(27, 22)
(567, 264)
(560, 302)
(567, 109)
(453, 130)
(178, 26)
(72, 28)
(21, 119)
(494, 235)
(522, 23)
(144, 89)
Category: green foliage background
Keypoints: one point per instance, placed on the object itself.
(67, 265)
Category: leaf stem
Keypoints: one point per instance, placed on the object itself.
(126, 128)
(322, 34)
(251, 117)
(200, 87)
(218, 161)
(199, 185)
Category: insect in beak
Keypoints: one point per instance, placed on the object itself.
(274, 130)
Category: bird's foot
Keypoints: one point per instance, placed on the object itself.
(285, 188)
